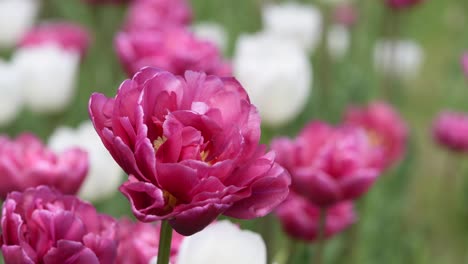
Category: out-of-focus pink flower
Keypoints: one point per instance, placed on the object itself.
(300, 219)
(328, 165)
(158, 14)
(345, 14)
(69, 36)
(401, 4)
(175, 50)
(139, 242)
(106, 2)
(450, 129)
(25, 162)
(464, 63)
(386, 129)
(42, 225)
(190, 147)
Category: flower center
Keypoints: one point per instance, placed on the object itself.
(374, 138)
(158, 142)
(171, 200)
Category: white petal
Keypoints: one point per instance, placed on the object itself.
(294, 21)
(338, 41)
(16, 17)
(49, 74)
(222, 242)
(277, 75)
(11, 99)
(104, 174)
(400, 58)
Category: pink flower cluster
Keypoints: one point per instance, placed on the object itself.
(450, 129)
(25, 162)
(42, 225)
(190, 147)
(386, 129)
(328, 164)
(156, 34)
(332, 166)
(67, 35)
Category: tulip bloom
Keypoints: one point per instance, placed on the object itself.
(402, 4)
(386, 129)
(138, 242)
(16, 18)
(223, 242)
(277, 75)
(104, 175)
(25, 162)
(295, 22)
(450, 129)
(11, 96)
(398, 58)
(68, 36)
(158, 14)
(328, 165)
(42, 225)
(175, 50)
(300, 219)
(190, 147)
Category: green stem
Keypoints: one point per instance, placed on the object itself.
(325, 60)
(292, 249)
(165, 239)
(321, 236)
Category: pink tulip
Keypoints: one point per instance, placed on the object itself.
(346, 15)
(66, 35)
(175, 50)
(386, 129)
(139, 242)
(464, 63)
(300, 219)
(328, 165)
(41, 225)
(402, 4)
(450, 129)
(158, 14)
(190, 147)
(25, 162)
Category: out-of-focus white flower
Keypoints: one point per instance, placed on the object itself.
(398, 58)
(48, 74)
(11, 99)
(294, 21)
(276, 74)
(338, 41)
(213, 32)
(222, 242)
(16, 17)
(104, 174)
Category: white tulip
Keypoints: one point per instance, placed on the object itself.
(276, 74)
(211, 32)
(294, 21)
(49, 74)
(399, 59)
(222, 242)
(16, 17)
(104, 176)
(11, 99)
(338, 41)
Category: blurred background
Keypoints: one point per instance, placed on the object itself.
(418, 211)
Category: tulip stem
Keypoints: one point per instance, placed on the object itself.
(321, 236)
(165, 240)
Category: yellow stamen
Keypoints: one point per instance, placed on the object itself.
(158, 142)
(171, 200)
(204, 155)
